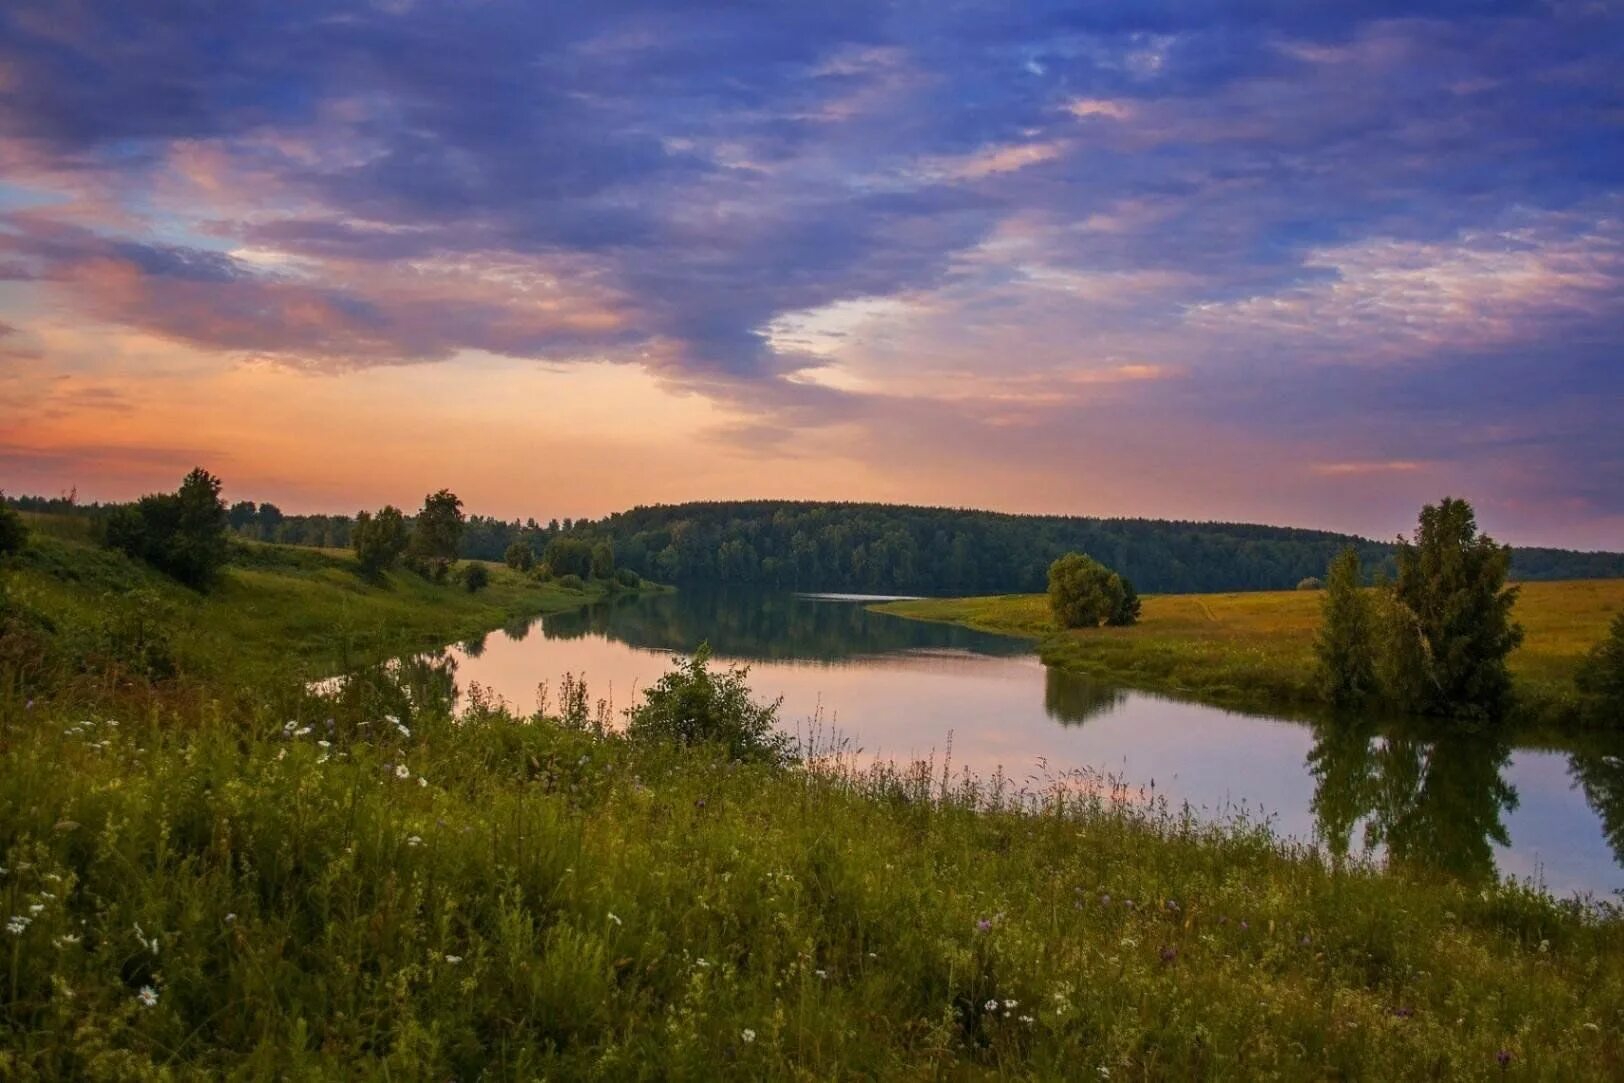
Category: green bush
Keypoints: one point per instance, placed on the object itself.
(1601, 678)
(628, 578)
(571, 582)
(475, 577)
(693, 706)
(182, 534)
(13, 531)
(1083, 593)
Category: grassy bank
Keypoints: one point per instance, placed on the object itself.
(1255, 650)
(276, 609)
(207, 892)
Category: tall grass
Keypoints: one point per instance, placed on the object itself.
(311, 887)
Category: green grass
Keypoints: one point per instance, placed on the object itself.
(305, 889)
(1255, 650)
(292, 610)
(550, 903)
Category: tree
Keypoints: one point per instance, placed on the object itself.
(242, 514)
(379, 540)
(182, 533)
(603, 560)
(1083, 593)
(475, 577)
(1345, 645)
(1601, 676)
(1448, 621)
(436, 534)
(13, 531)
(519, 556)
(568, 556)
(1127, 610)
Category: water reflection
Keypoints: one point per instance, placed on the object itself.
(757, 626)
(1464, 804)
(1433, 801)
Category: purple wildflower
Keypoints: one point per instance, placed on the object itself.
(1169, 954)
(983, 925)
(1403, 1013)
(1504, 1057)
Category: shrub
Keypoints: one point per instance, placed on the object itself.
(693, 706)
(571, 582)
(182, 534)
(519, 556)
(628, 578)
(1083, 593)
(569, 556)
(475, 577)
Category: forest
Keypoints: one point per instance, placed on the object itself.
(898, 549)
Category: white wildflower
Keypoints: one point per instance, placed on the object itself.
(323, 758)
(66, 939)
(302, 731)
(230, 918)
(402, 771)
(615, 919)
(822, 974)
(17, 924)
(1028, 1020)
(421, 781)
(148, 996)
(36, 908)
(1009, 1005)
(453, 959)
(414, 840)
(324, 744)
(281, 754)
(992, 1005)
(702, 962)
(748, 1035)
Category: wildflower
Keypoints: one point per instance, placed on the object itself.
(1245, 924)
(1105, 1073)
(1306, 940)
(615, 919)
(230, 918)
(1009, 1005)
(66, 939)
(302, 731)
(36, 908)
(402, 771)
(992, 1005)
(748, 1035)
(702, 962)
(1028, 1020)
(982, 925)
(148, 996)
(1168, 954)
(453, 959)
(281, 754)
(414, 840)
(824, 974)
(323, 758)
(17, 924)
(1105, 900)
(324, 744)
(1504, 1057)
(421, 781)
(1544, 946)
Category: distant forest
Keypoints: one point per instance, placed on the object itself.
(892, 549)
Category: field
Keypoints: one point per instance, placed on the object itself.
(1256, 649)
(234, 874)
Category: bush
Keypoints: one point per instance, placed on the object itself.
(571, 582)
(628, 578)
(519, 556)
(1083, 593)
(475, 577)
(569, 556)
(692, 706)
(1311, 583)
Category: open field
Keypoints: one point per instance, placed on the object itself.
(299, 611)
(1256, 649)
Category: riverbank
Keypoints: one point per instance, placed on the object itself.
(284, 610)
(1254, 651)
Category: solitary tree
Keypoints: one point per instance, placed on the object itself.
(1449, 617)
(1345, 645)
(1083, 593)
(475, 577)
(181, 533)
(603, 560)
(436, 534)
(379, 540)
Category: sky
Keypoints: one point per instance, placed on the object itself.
(1253, 261)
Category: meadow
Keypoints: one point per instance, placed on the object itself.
(1255, 650)
(231, 873)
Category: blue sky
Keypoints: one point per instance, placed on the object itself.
(1296, 263)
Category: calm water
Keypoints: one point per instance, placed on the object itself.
(904, 689)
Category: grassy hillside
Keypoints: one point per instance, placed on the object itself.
(210, 894)
(301, 611)
(1256, 649)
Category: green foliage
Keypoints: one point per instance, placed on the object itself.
(183, 534)
(1346, 644)
(519, 556)
(603, 560)
(13, 531)
(380, 540)
(571, 582)
(1601, 677)
(475, 577)
(569, 556)
(1083, 593)
(436, 533)
(1448, 627)
(692, 706)
(628, 578)
(1314, 582)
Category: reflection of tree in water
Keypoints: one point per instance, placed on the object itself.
(517, 628)
(1434, 800)
(1598, 768)
(474, 647)
(404, 687)
(757, 625)
(1072, 700)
